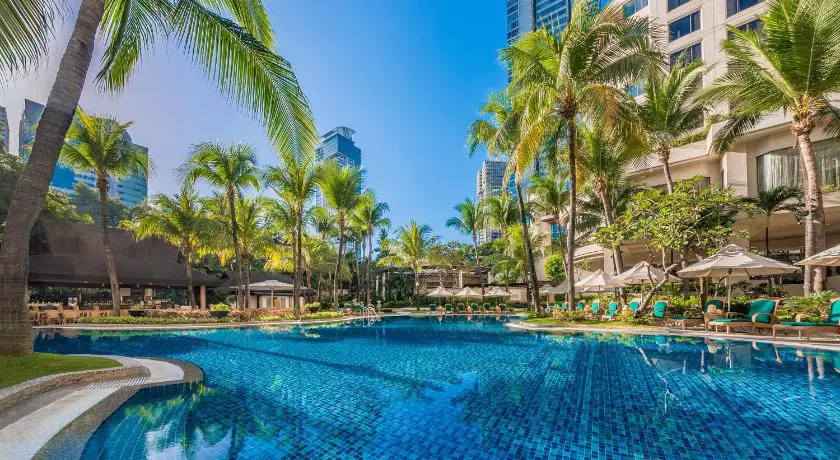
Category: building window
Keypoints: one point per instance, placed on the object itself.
(633, 6)
(736, 6)
(684, 26)
(676, 4)
(687, 55)
(753, 26)
(784, 167)
(636, 88)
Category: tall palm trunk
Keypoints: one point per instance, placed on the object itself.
(570, 227)
(190, 287)
(815, 213)
(102, 187)
(34, 182)
(664, 158)
(237, 270)
(767, 235)
(478, 262)
(416, 290)
(531, 276)
(368, 278)
(601, 190)
(337, 278)
(298, 259)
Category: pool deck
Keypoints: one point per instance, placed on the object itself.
(831, 343)
(30, 429)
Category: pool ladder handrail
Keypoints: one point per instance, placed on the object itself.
(370, 312)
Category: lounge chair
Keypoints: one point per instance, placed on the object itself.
(447, 308)
(683, 321)
(660, 311)
(832, 325)
(634, 304)
(760, 316)
(593, 309)
(486, 308)
(563, 306)
(581, 305)
(612, 311)
(502, 308)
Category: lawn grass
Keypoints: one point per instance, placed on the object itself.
(17, 369)
(588, 323)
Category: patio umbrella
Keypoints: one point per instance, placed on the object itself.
(467, 292)
(270, 286)
(643, 272)
(547, 289)
(439, 291)
(598, 281)
(828, 258)
(496, 291)
(733, 260)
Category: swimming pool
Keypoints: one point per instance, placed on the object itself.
(424, 388)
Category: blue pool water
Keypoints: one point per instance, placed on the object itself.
(420, 388)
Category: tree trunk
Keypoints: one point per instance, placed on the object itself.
(529, 255)
(297, 259)
(336, 280)
(767, 236)
(815, 213)
(190, 288)
(478, 262)
(237, 271)
(34, 182)
(601, 188)
(571, 123)
(664, 158)
(368, 279)
(102, 187)
(416, 289)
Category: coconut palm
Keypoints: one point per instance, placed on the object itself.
(231, 41)
(101, 146)
(469, 221)
(790, 66)
(179, 220)
(411, 249)
(370, 214)
(578, 72)
(778, 199)
(500, 212)
(340, 186)
(229, 169)
(499, 131)
(25, 34)
(669, 115)
(295, 180)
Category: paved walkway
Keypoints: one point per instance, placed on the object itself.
(23, 438)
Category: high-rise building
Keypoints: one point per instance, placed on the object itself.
(528, 15)
(130, 191)
(338, 145)
(4, 131)
(489, 181)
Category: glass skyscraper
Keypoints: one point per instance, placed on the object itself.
(130, 191)
(528, 15)
(4, 130)
(338, 145)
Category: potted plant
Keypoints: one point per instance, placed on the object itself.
(219, 310)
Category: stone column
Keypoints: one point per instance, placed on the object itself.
(202, 297)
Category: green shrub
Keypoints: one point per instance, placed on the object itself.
(813, 307)
(220, 307)
(679, 305)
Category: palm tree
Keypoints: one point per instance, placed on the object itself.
(341, 186)
(500, 212)
(500, 134)
(411, 249)
(229, 169)
(295, 180)
(181, 221)
(469, 221)
(670, 115)
(549, 196)
(578, 72)
(233, 44)
(370, 214)
(101, 146)
(791, 67)
(604, 163)
(25, 35)
(775, 200)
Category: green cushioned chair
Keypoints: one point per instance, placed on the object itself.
(581, 305)
(718, 304)
(831, 325)
(760, 316)
(593, 309)
(660, 308)
(634, 304)
(612, 310)
(563, 306)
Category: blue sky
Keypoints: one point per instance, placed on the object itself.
(408, 76)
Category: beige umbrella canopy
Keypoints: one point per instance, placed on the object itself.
(467, 292)
(598, 281)
(439, 291)
(496, 291)
(733, 260)
(643, 272)
(828, 258)
(547, 289)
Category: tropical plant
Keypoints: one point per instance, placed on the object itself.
(25, 34)
(229, 169)
(370, 214)
(411, 248)
(101, 146)
(774, 200)
(499, 131)
(295, 180)
(789, 66)
(181, 221)
(340, 186)
(500, 212)
(469, 221)
(576, 73)
(669, 114)
(231, 41)
(815, 305)
(555, 267)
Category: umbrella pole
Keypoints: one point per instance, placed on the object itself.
(728, 293)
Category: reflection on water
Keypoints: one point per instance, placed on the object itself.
(437, 387)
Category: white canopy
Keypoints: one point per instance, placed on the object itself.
(828, 258)
(496, 291)
(467, 292)
(270, 285)
(733, 260)
(598, 281)
(547, 289)
(440, 291)
(643, 272)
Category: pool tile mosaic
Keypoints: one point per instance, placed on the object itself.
(424, 388)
